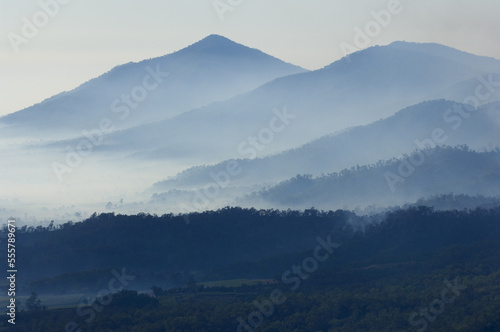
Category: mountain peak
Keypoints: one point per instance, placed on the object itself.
(216, 44)
(404, 52)
(431, 48)
(443, 51)
(213, 38)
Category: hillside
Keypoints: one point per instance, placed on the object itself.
(423, 173)
(408, 129)
(376, 277)
(151, 90)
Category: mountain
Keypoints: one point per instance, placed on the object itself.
(408, 129)
(423, 173)
(212, 69)
(442, 51)
(325, 106)
(375, 84)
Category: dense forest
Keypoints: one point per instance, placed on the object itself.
(167, 249)
(407, 270)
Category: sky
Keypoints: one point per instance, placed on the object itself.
(75, 40)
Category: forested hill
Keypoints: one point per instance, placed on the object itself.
(230, 243)
(423, 173)
(165, 249)
(383, 274)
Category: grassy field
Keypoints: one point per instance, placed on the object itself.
(72, 300)
(51, 301)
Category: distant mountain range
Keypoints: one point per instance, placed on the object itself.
(222, 165)
(409, 129)
(212, 69)
(377, 83)
(179, 121)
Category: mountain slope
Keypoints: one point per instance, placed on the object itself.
(376, 83)
(409, 129)
(212, 69)
(423, 173)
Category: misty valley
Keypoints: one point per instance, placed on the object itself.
(219, 188)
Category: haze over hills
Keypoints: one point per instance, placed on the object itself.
(409, 129)
(223, 101)
(424, 173)
(375, 84)
(212, 69)
(172, 179)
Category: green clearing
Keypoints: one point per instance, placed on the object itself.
(231, 283)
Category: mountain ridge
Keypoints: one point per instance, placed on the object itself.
(209, 78)
(382, 139)
(394, 181)
(327, 100)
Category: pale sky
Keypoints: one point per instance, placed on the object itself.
(82, 39)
